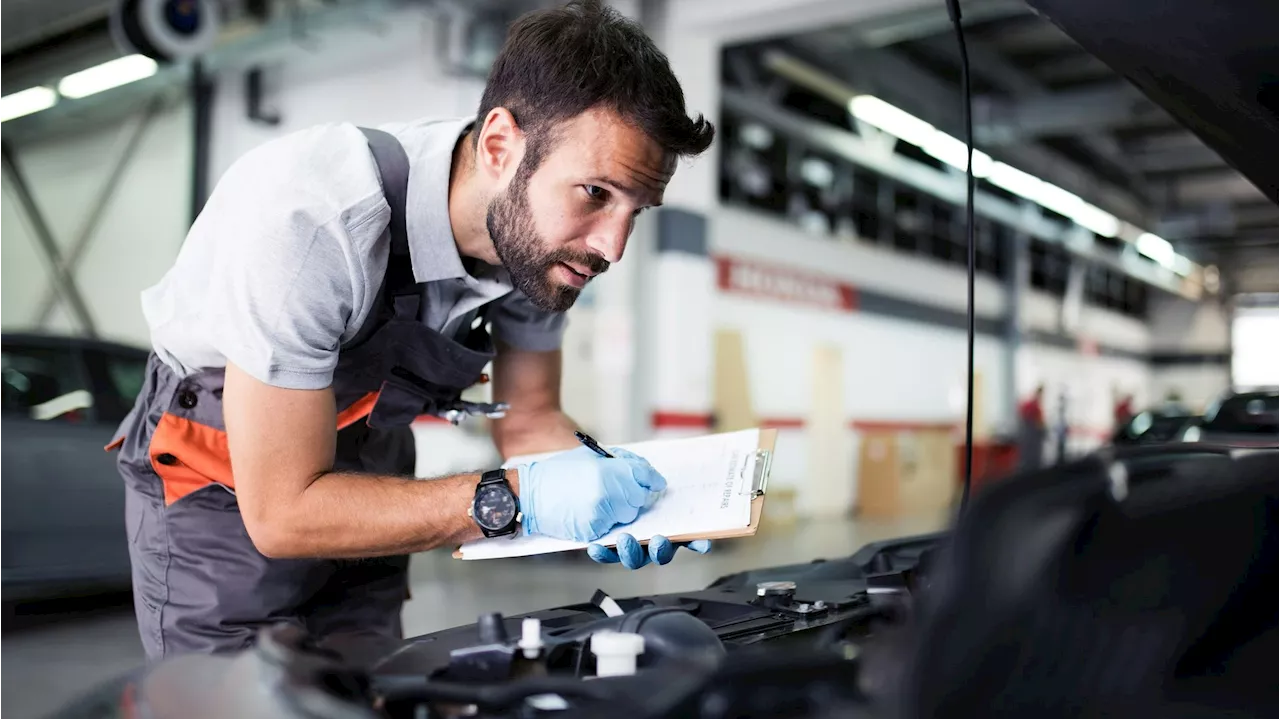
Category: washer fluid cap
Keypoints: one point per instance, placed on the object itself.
(616, 653)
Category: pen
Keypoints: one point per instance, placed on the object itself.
(591, 444)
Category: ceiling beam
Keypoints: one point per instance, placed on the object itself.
(1033, 36)
(748, 20)
(1219, 219)
(1001, 121)
(1259, 214)
(891, 76)
(930, 20)
(1000, 72)
(1228, 185)
(1178, 159)
(1072, 68)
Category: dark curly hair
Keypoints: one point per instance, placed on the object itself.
(559, 63)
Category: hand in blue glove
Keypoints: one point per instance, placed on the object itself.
(632, 556)
(580, 496)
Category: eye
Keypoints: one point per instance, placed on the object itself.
(595, 192)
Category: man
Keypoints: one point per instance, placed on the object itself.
(1123, 410)
(1031, 431)
(338, 284)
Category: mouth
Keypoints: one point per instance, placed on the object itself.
(584, 270)
(572, 276)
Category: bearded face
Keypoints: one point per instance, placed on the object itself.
(551, 277)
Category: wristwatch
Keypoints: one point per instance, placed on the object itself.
(495, 508)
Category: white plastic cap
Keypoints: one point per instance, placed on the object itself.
(530, 637)
(616, 653)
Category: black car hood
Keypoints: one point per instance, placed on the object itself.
(1211, 65)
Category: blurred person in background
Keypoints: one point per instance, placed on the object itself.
(1123, 411)
(340, 282)
(1062, 429)
(1031, 431)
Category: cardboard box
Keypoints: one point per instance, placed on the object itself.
(905, 472)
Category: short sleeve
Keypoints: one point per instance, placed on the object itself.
(518, 323)
(284, 285)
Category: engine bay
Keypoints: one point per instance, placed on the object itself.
(1144, 580)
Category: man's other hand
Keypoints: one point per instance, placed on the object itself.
(631, 555)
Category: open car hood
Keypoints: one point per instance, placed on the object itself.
(1212, 66)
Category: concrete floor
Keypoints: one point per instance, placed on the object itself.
(64, 650)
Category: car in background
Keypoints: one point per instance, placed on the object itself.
(1240, 419)
(1154, 426)
(63, 511)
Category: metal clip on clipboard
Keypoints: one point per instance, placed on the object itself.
(758, 469)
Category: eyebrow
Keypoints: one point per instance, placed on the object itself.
(629, 190)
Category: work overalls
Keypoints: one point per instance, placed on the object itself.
(199, 583)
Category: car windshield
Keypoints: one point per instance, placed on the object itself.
(1157, 427)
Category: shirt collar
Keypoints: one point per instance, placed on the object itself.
(433, 250)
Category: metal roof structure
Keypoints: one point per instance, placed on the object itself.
(1046, 106)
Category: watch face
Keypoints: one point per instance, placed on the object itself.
(494, 508)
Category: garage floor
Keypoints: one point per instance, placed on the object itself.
(53, 652)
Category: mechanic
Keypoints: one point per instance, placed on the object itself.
(1031, 431)
(338, 284)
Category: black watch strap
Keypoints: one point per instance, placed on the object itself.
(493, 476)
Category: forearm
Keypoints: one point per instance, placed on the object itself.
(532, 433)
(343, 515)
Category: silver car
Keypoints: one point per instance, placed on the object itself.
(63, 501)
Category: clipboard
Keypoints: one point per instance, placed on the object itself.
(755, 485)
(754, 481)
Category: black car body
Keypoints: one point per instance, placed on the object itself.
(63, 509)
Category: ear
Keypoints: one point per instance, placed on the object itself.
(501, 144)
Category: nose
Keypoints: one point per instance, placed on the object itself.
(609, 238)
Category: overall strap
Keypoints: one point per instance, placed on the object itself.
(398, 288)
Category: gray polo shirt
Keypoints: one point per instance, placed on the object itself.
(286, 259)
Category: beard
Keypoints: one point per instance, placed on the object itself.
(523, 254)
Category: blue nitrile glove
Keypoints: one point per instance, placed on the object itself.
(632, 556)
(580, 496)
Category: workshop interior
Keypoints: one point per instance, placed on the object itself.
(995, 282)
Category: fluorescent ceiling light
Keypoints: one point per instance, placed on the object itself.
(1052, 197)
(1157, 248)
(1181, 265)
(1015, 181)
(1097, 221)
(115, 73)
(909, 128)
(901, 124)
(26, 102)
(956, 153)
